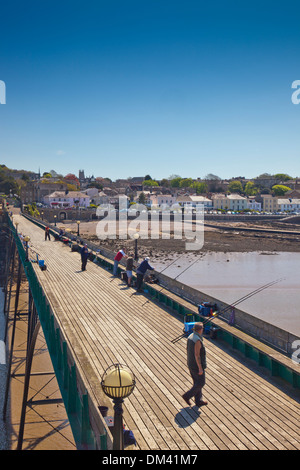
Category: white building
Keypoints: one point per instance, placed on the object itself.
(288, 205)
(60, 199)
(194, 201)
(253, 204)
(162, 200)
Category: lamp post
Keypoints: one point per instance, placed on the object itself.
(78, 223)
(136, 236)
(55, 220)
(17, 223)
(118, 383)
(42, 214)
(26, 239)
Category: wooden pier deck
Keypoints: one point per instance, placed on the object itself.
(106, 322)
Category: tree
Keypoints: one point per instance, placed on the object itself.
(235, 187)
(280, 189)
(150, 183)
(185, 182)
(72, 177)
(200, 187)
(175, 182)
(164, 182)
(282, 177)
(142, 198)
(251, 189)
(210, 176)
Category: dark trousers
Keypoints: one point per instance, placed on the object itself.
(47, 235)
(198, 384)
(83, 264)
(139, 281)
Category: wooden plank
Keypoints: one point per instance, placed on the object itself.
(106, 322)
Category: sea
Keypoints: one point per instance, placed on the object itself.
(230, 276)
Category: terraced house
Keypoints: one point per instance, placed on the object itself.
(230, 202)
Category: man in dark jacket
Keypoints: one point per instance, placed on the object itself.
(84, 257)
(196, 361)
(140, 273)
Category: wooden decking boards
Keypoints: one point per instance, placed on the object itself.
(106, 322)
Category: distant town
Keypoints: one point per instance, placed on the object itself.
(266, 193)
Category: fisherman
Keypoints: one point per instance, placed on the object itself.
(84, 257)
(47, 233)
(117, 259)
(196, 361)
(129, 266)
(140, 273)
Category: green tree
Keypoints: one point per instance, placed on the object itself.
(282, 177)
(235, 187)
(150, 183)
(200, 187)
(280, 189)
(175, 182)
(251, 189)
(186, 182)
(142, 198)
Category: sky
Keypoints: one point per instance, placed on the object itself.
(123, 89)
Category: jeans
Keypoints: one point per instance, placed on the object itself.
(139, 280)
(115, 270)
(198, 384)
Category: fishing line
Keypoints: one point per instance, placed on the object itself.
(240, 300)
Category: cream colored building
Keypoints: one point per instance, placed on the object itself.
(230, 202)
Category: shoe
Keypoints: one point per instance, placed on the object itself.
(201, 403)
(186, 399)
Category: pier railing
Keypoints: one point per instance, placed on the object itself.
(88, 426)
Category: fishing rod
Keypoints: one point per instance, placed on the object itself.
(234, 304)
(174, 277)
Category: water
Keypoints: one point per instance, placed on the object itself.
(230, 276)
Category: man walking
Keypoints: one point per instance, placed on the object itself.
(140, 273)
(196, 361)
(84, 257)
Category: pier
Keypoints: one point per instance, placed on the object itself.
(92, 320)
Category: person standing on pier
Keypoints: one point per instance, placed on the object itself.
(140, 273)
(47, 233)
(84, 257)
(196, 361)
(117, 259)
(129, 267)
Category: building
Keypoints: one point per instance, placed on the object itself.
(230, 202)
(61, 199)
(194, 201)
(253, 204)
(269, 203)
(37, 190)
(162, 200)
(288, 205)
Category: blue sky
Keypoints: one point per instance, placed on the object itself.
(163, 87)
